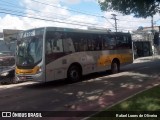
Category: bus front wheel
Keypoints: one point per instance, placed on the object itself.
(74, 74)
(115, 67)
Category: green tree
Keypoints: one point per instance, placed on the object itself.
(140, 8)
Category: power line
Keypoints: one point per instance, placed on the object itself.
(45, 19)
(13, 5)
(99, 16)
(38, 18)
(45, 16)
(65, 8)
(21, 8)
(52, 20)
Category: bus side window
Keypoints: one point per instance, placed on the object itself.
(68, 45)
(123, 41)
(75, 43)
(76, 46)
(58, 47)
(68, 42)
(54, 42)
(84, 45)
(90, 44)
(100, 42)
(80, 42)
(109, 42)
(97, 42)
(106, 42)
(128, 41)
(119, 41)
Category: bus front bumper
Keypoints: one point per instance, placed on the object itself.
(26, 77)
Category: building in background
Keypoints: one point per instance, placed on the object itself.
(142, 43)
(10, 37)
(155, 39)
(146, 41)
(10, 34)
(156, 28)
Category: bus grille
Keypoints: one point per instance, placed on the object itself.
(29, 78)
(21, 77)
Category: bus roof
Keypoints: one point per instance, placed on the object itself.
(96, 31)
(83, 30)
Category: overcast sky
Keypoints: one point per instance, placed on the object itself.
(25, 14)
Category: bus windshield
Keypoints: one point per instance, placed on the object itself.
(29, 48)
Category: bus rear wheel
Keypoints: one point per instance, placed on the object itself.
(115, 67)
(74, 74)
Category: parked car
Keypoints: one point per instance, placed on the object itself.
(8, 76)
(7, 64)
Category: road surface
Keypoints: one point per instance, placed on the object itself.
(94, 93)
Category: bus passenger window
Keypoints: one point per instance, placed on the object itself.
(71, 46)
(119, 41)
(54, 42)
(106, 42)
(68, 45)
(83, 45)
(122, 42)
(112, 43)
(90, 45)
(58, 45)
(98, 43)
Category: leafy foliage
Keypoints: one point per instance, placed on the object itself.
(140, 8)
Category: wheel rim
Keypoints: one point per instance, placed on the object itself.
(74, 75)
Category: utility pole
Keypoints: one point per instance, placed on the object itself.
(152, 23)
(153, 33)
(115, 19)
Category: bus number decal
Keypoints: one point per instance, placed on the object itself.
(29, 33)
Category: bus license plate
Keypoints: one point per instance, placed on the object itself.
(23, 78)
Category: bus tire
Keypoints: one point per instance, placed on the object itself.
(74, 74)
(115, 67)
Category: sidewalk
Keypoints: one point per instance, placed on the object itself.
(146, 59)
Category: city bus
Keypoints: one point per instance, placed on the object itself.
(52, 53)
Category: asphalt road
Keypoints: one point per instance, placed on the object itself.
(95, 92)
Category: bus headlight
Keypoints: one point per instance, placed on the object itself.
(4, 74)
(39, 70)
